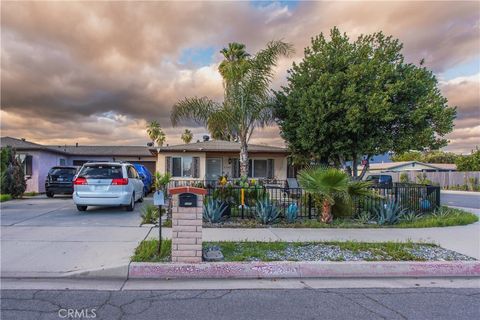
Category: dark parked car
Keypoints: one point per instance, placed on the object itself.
(381, 180)
(60, 180)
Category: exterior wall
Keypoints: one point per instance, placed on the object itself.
(280, 171)
(41, 164)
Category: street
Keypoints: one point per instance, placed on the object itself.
(340, 303)
(460, 199)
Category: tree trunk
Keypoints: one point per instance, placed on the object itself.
(365, 168)
(243, 158)
(354, 166)
(326, 212)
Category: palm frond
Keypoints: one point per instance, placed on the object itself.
(196, 109)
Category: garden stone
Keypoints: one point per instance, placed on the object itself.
(212, 254)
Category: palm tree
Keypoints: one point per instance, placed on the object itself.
(187, 136)
(331, 186)
(155, 133)
(247, 100)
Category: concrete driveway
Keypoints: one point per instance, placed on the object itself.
(47, 237)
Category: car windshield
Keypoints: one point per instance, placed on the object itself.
(101, 171)
(62, 171)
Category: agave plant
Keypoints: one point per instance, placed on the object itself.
(213, 209)
(389, 212)
(291, 213)
(410, 217)
(266, 212)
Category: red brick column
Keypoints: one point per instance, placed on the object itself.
(187, 226)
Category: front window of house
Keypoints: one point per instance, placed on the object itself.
(182, 166)
(257, 168)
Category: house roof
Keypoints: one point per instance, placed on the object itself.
(24, 145)
(132, 151)
(393, 165)
(126, 151)
(221, 146)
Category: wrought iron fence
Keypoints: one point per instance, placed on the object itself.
(242, 201)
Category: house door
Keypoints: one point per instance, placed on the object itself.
(214, 168)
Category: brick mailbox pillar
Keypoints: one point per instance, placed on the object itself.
(187, 210)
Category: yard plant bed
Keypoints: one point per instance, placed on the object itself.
(451, 217)
(310, 251)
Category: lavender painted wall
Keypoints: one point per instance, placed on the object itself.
(41, 163)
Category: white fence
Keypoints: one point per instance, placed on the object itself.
(443, 179)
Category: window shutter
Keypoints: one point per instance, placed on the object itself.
(28, 165)
(235, 168)
(270, 168)
(196, 167)
(168, 164)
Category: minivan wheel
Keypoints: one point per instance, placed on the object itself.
(49, 194)
(131, 206)
(81, 208)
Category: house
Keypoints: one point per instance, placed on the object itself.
(410, 166)
(207, 160)
(37, 159)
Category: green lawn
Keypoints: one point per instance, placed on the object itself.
(5, 197)
(147, 251)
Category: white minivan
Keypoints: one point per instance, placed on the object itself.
(107, 184)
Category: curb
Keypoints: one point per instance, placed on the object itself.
(289, 269)
(467, 193)
(115, 272)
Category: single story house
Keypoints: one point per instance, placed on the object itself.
(37, 159)
(410, 166)
(207, 160)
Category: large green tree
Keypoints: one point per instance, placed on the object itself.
(469, 162)
(247, 100)
(432, 156)
(347, 99)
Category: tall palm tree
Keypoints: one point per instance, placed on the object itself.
(331, 186)
(247, 100)
(155, 133)
(187, 136)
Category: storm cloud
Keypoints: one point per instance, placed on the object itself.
(96, 72)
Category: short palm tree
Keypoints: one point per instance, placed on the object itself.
(187, 136)
(331, 185)
(247, 97)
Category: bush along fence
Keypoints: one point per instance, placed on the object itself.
(259, 200)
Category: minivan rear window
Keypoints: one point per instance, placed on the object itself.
(101, 171)
(62, 171)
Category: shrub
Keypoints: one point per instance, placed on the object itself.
(150, 214)
(404, 177)
(389, 212)
(291, 214)
(13, 177)
(213, 209)
(364, 217)
(266, 212)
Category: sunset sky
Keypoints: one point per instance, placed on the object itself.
(96, 72)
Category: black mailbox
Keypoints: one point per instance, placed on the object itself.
(187, 200)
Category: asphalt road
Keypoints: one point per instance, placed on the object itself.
(41, 236)
(375, 303)
(466, 200)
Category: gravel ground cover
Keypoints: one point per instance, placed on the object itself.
(341, 251)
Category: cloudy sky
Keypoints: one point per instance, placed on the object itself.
(96, 72)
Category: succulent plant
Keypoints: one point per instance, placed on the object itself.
(291, 214)
(266, 212)
(389, 212)
(213, 210)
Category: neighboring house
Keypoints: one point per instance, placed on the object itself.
(37, 159)
(208, 160)
(410, 166)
